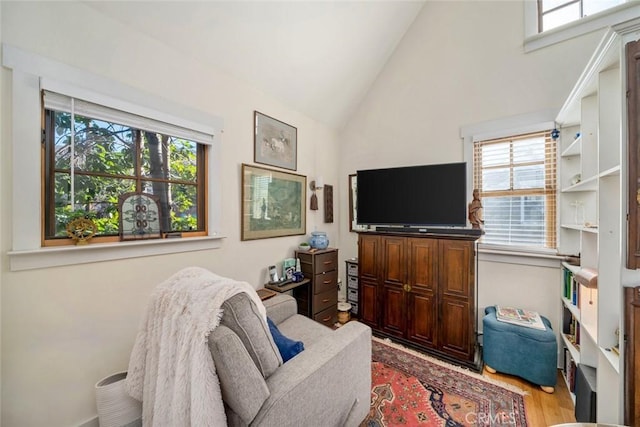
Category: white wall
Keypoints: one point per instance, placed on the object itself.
(462, 63)
(65, 328)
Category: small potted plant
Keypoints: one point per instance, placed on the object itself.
(304, 246)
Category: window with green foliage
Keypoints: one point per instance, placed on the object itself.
(94, 154)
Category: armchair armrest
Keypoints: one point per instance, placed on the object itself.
(339, 366)
(281, 307)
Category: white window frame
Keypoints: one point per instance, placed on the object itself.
(609, 17)
(28, 73)
(501, 128)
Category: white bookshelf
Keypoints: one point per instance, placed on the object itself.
(591, 216)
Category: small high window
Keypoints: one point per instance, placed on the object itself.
(94, 154)
(554, 13)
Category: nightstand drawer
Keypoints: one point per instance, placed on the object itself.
(325, 300)
(324, 282)
(327, 317)
(326, 262)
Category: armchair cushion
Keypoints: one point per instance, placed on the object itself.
(288, 347)
(242, 317)
(243, 387)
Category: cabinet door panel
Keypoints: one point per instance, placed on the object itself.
(394, 262)
(368, 303)
(394, 317)
(455, 329)
(422, 314)
(422, 266)
(633, 111)
(422, 318)
(456, 268)
(456, 294)
(368, 256)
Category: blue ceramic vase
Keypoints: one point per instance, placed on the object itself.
(319, 240)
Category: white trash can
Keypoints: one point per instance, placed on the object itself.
(115, 407)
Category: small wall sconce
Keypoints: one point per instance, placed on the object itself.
(315, 185)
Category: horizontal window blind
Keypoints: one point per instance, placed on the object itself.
(58, 102)
(516, 179)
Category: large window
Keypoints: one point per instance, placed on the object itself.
(94, 154)
(554, 13)
(516, 178)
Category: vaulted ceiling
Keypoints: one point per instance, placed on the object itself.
(318, 57)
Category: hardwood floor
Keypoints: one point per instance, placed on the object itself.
(543, 409)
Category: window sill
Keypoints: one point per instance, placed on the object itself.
(71, 255)
(515, 255)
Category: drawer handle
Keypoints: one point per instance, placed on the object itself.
(325, 300)
(326, 282)
(328, 262)
(326, 319)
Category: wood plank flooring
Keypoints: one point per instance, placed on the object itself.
(543, 409)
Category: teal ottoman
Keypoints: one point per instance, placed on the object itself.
(528, 353)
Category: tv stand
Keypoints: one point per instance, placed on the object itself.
(431, 230)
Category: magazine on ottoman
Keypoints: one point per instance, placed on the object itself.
(519, 316)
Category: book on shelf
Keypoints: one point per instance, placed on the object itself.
(571, 288)
(569, 370)
(519, 316)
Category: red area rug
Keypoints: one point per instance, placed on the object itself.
(411, 389)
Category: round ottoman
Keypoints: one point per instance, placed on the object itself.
(531, 354)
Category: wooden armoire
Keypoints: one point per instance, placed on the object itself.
(420, 290)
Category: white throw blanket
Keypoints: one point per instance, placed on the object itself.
(171, 369)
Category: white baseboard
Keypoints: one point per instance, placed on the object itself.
(93, 422)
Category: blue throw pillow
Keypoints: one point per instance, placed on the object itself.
(288, 347)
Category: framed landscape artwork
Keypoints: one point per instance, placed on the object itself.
(275, 142)
(273, 203)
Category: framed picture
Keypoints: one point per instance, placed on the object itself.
(353, 204)
(273, 203)
(275, 142)
(328, 203)
(139, 216)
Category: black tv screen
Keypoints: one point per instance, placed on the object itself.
(428, 195)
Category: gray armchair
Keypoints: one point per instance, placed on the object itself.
(328, 384)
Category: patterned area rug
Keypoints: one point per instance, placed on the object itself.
(411, 389)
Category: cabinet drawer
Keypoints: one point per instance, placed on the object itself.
(352, 269)
(354, 308)
(327, 317)
(326, 262)
(324, 282)
(325, 300)
(352, 282)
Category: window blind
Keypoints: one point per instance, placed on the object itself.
(516, 179)
(59, 102)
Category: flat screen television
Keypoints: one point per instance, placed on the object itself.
(428, 195)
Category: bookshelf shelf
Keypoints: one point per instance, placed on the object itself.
(589, 184)
(575, 311)
(612, 358)
(575, 352)
(573, 149)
